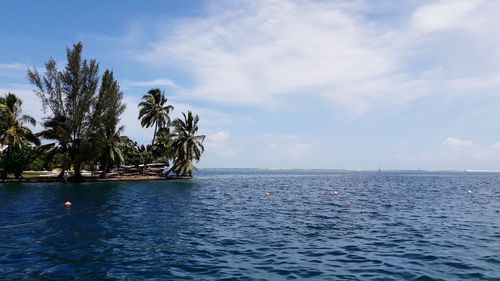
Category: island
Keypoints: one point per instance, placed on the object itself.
(81, 137)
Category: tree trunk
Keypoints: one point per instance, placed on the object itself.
(154, 135)
(63, 169)
(104, 168)
(77, 168)
(152, 145)
(103, 173)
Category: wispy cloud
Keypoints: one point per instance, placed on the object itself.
(457, 153)
(12, 67)
(162, 82)
(289, 150)
(219, 145)
(12, 70)
(469, 151)
(443, 15)
(263, 52)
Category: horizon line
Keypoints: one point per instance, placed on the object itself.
(358, 170)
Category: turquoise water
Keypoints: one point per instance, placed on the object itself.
(222, 225)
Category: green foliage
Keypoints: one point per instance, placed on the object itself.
(16, 159)
(58, 130)
(187, 145)
(82, 122)
(130, 151)
(162, 150)
(145, 154)
(154, 110)
(12, 129)
(37, 165)
(69, 95)
(106, 133)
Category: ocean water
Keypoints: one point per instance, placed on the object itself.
(318, 225)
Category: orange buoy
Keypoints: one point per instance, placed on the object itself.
(67, 204)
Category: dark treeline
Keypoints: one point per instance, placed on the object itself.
(81, 127)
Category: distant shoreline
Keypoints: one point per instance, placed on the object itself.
(360, 170)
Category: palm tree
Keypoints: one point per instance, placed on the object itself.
(12, 129)
(130, 151)
(162, 150)
(154, 110)
(187, 145)
(58, 129)
(111, 150)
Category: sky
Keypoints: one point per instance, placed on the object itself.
(288, 84)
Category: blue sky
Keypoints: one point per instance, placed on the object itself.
(289, 84)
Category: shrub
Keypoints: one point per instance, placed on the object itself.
(16, 160)
(37, 165)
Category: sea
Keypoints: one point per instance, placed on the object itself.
(250, 224)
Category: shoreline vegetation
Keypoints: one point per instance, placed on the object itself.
(81, 137)
(89, 177)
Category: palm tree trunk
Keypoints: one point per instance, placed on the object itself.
(152, 144)
(104, 171)
(63, 168)
(154, 135)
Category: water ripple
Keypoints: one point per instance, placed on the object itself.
(318, 225)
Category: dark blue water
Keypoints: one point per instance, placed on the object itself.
(380, 226)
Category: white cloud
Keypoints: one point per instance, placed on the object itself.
(445, 14)
(12, 70)
(132, 125)
(288, 150)
(162, 82)
(12, 67)
(218, 145)
(263, 52)
(273, 48)
(458, 144)
(218, 137)
(459, 154)
(265, 150)
(469, 151)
